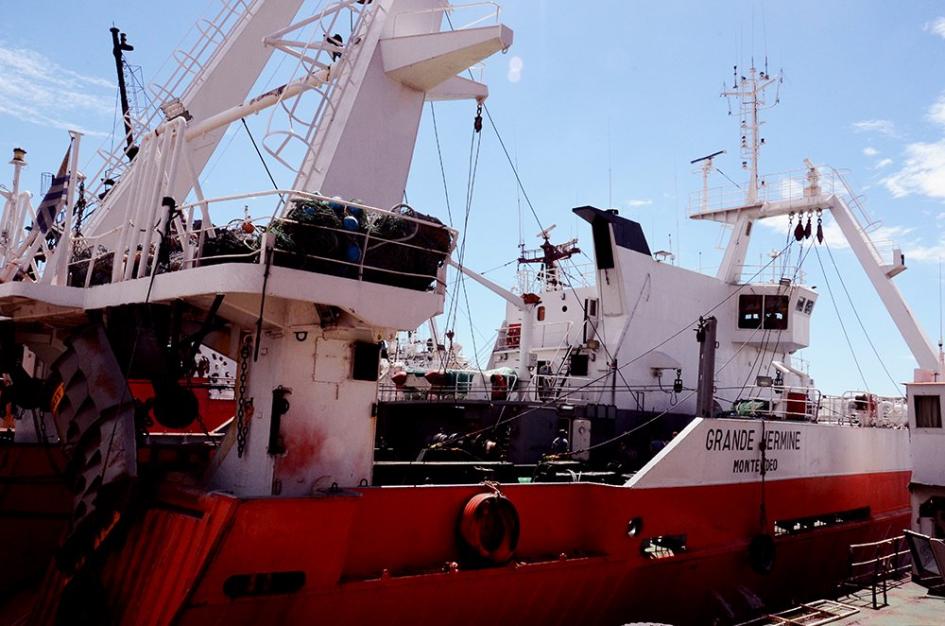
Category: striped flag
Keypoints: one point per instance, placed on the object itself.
(55, 196)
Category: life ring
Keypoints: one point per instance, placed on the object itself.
(489, 527)
(761, 553)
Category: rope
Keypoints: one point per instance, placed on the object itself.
(474, 145)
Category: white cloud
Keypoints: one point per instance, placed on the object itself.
(924, 253)
(639, 203)
(870, 151)
(883, 127)
(882, 163)
(35, 89)
(923, 172)
(936, 112)
(936, 27)
(515, 69)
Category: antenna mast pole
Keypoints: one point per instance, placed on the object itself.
(120, 45)
(750, 92)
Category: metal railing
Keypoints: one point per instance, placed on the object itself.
(202, 43)
(530, 280)
(542, 388)
(489, 12)
(774, 402)
(790, 186)
(875, 564)
(862, 408)
(360, 251)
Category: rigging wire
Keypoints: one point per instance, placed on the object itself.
(590, 385)
(518, 178)
(660, 415)
(474, 146)
(439, 153)
(836, 309)
(766, 336)
(261, 159)
(856, 314)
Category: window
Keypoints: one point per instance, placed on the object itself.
(800, 304)
(663, 547)
(749, 311)
(804, 524)
(776, 312)
(769, 312)
(928, 411)
(541, 314)
(809, 307)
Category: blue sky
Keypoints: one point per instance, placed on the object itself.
(622, 86)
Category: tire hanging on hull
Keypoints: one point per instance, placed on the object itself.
(489, 528)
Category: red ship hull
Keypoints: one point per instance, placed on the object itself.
(382, 555)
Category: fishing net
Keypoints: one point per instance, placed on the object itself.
(309, 238)
(230, 245)
(101, 268)
(401, 246)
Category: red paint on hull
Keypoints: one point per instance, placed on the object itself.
(376, 556)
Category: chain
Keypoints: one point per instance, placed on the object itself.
(241, 426)
(40, 417)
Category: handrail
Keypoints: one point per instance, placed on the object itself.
(889, 560)
(190, 241)
(453, 8)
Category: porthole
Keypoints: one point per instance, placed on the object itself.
(634, 526)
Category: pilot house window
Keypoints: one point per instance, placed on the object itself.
(776, 312)
(928, 412)
(768, 312)
(749, 311)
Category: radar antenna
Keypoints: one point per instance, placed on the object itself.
(706, 170)
(548, 256)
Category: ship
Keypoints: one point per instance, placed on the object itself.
(640, 447)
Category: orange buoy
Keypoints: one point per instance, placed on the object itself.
(489, 527)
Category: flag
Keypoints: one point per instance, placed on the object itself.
(55, 196)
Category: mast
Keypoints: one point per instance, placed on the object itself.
(548, 256)
(750, 93)
(120, 45)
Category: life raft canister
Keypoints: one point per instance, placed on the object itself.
(489, 527)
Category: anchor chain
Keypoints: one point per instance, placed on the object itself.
(242, 429)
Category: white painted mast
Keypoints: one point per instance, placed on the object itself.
(750, 92)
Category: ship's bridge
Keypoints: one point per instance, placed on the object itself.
(768, 310)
